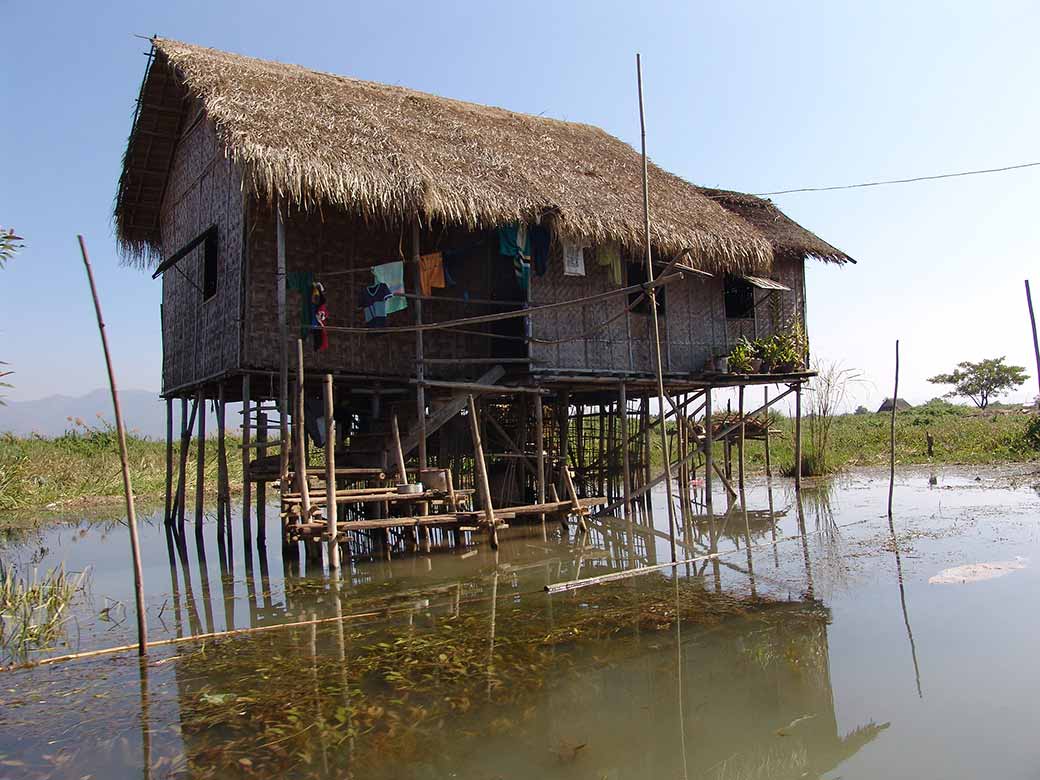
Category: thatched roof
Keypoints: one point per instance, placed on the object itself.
(384, 151)
(901, 405)
(787, 237)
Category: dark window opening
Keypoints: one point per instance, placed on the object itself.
(739, 296)
(209, 264)
(636, 274)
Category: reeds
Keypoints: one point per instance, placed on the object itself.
(33, 610)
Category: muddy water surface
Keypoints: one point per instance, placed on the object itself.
(813, 645)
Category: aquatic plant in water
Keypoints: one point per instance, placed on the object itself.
(33, 610)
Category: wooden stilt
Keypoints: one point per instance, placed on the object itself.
(247, 424)
(330, 474)
(709, 449)
(626, 473)
(563, 423)
(299, 423)
(741, 437)
(261, 487)
(483, 486)
(765, 402)
(168, 514)
(283, 351)
(223, 486)
(402, 472)
(798, 436)
(187, 425)
(539, 443)
(200, 463)
(892, 439)
(420, 368)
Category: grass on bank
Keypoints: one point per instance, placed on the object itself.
(83, 466)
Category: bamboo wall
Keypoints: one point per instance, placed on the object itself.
(201, 339)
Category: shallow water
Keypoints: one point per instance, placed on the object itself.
(812, 646)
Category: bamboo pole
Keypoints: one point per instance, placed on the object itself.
(247, 485)
(187, 425)
(741, 437)
(1032, 322)
(261, 487)
(539, 443)
(200, 463)
(131, 515)
(330, 474)
(626, 466)
(223, 489)
(709, 449)
(299, 423)
(798, 436)
(765, 400)
(482, 478)
(402, 472)
(283, 351)
(168, 514)
(653, 311)
(892, 438)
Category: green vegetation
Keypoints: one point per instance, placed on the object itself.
(83, 467)
(32, 611)
(982, 381)
(961, 434)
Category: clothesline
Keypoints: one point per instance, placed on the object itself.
(660, 281)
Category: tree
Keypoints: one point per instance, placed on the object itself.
(983, 380)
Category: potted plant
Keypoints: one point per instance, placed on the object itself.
(790, 350)
(722, 363)
(740, 357)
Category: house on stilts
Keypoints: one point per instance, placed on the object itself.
(391, 281)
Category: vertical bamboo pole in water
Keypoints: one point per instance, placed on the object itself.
(626, 472)
(892, 438)
(765, 404)
(798, 436)
(654, 320)
(1032, 322)
(167, 516)
(283, 351)
(247, 453)
(200, 464)
(539, 443)
(223, 490)
(261, 487)
(299, 423)
(741, 437)
(131, 516)
(709, 446)
(330, 475)
(482, 477)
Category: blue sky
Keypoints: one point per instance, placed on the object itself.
(749, 96)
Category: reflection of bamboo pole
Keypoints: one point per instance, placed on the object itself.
(539, 443)
(765, 402)
(892, 438)
(626, 472)
(654, 320)
(131, 516)
(902, 601)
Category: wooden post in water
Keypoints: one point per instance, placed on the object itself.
(168, 514)
(741, 437)
(247, 453)
(658, 362)
(200, 463)
(261, 486)
(709, 446)
(892, 438)
(187, 425)
(798, 436)
(1032, 322)
(330, 474)
(223, 488)
(299, 423)
(128, 492)
(765, 402)
(626, 472)
(283, 350)
(539, 443)
(482, 477)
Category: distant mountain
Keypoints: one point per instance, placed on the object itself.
(144, 413)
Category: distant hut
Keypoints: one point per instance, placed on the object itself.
(901, 405)
(255, 189)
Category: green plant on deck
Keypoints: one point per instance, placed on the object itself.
(741, 356)
(32, 611)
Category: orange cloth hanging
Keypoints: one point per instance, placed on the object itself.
(431, 273)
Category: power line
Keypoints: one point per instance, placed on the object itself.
(901, 181)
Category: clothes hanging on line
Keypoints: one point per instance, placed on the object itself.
(319, 316)
(609, 255)
(513, 241)
(373, 299)
(392, 275)
(431, 273)
(303, 283)
(573, 258)
(540, 239)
